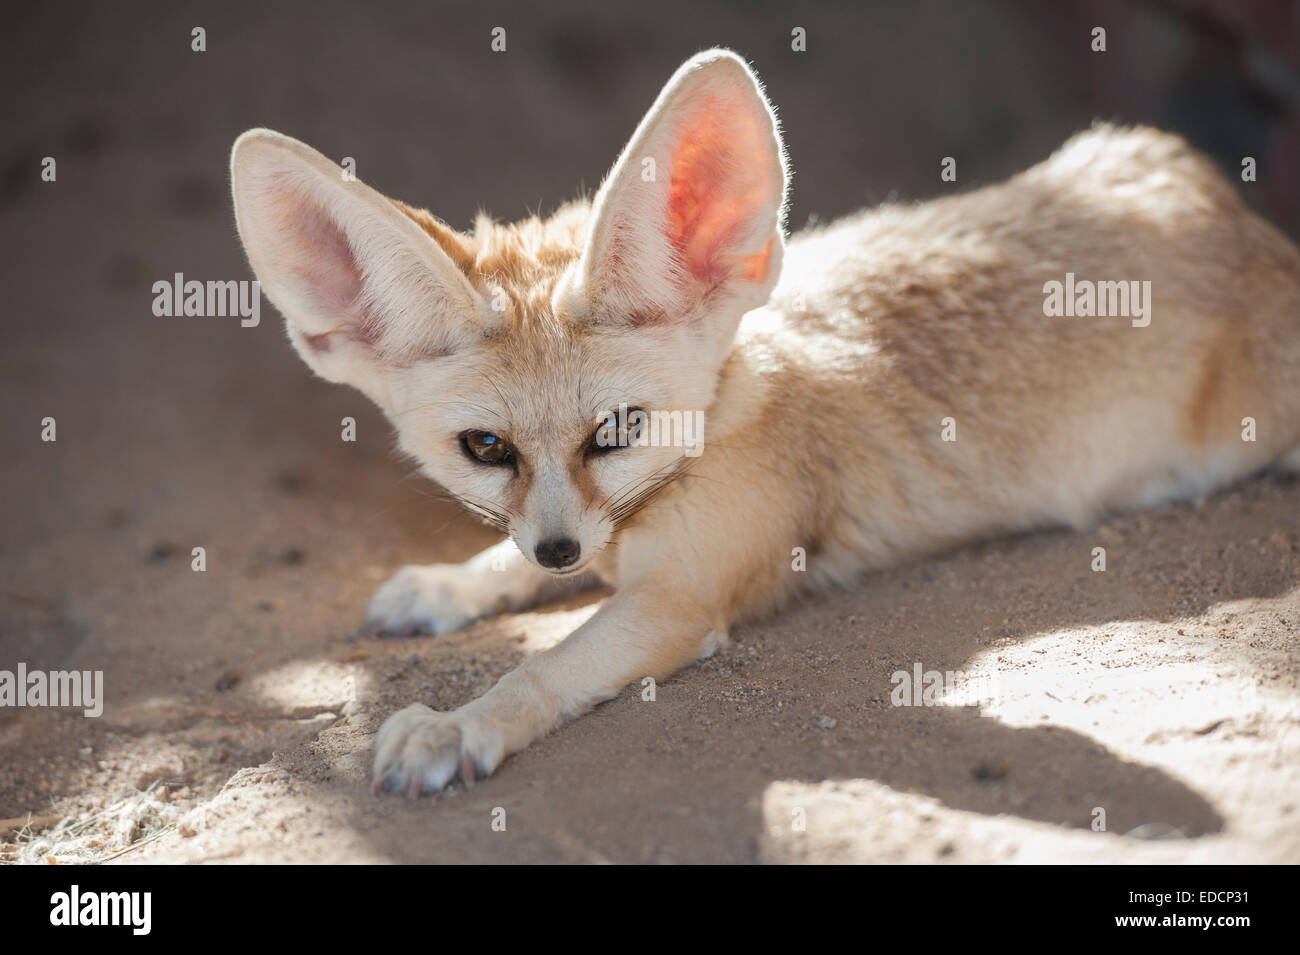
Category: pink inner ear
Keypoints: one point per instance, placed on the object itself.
(324, 269)
(718, 190)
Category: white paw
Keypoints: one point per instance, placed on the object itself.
(419, 750)
(436, 599)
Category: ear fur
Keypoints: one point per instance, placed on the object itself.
(362, 286)
(691, 218)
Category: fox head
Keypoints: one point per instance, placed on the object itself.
(504, 356)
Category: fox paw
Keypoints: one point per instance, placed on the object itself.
(435, 599)
(419, 750)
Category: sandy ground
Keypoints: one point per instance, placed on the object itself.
(241, 703)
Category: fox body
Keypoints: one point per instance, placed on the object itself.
(888, 386)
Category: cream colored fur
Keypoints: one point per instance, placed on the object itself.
(828, 371)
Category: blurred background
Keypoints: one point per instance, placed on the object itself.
(416, 94)
(430, 111)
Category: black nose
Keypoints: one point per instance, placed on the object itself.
(558, 552)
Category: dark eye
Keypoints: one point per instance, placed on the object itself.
(487, 448)
(618, 429)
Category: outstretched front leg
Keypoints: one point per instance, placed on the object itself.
(644, 630)
(440, 598)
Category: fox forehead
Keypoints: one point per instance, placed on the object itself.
(545, 385)
(541, 377)
(515, 266)
(537, 390)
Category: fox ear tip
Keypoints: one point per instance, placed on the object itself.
(719, 57)
(256, 134)
(716, 53)
(722, 66)
(250, 139)
(260, 138)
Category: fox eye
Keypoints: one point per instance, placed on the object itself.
(617, 431)
(487, 448)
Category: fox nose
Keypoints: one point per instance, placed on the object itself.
(558, 552)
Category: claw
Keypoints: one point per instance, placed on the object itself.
(467, 769)
(419, 751)
(386, 781)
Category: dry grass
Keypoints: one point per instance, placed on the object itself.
(126, 823)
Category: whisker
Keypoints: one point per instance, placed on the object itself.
(490, 513)
(633, 485)
(621, 513)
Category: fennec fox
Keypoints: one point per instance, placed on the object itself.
(891, 385)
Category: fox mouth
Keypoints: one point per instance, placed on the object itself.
(565, 571)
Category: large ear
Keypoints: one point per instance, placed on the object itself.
(691, 217)
(363, 287)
